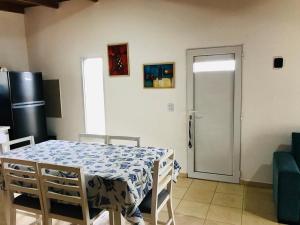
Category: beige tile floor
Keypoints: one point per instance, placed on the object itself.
(199, 202)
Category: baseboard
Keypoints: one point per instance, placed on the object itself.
(244, 182)
(183, 175)
(255, 184)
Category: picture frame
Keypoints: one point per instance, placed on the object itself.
(118, 59)
(159, 75)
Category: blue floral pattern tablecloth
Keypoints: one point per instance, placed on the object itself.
(115, 174)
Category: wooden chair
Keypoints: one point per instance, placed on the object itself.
(6, 145)
(62, 205)
(124, 138)
(161, 193)
(23, 188)
(94, 138)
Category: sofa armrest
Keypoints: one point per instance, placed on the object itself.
(286, 187)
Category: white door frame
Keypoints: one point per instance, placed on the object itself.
(191, 53)
(82, 59)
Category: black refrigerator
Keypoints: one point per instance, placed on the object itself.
(22, 105)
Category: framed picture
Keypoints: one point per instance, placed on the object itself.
(161, 75)
(118, 61)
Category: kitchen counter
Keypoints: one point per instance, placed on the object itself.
(3, 137)
(4, 129)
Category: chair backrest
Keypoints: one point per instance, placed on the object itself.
(6, 145)
(162, 179)
(126, 139)
(93, 138)
(21, 176)
(71, 189)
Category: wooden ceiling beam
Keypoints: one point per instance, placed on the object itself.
(49, 3)
(18, 6)
(10, 7)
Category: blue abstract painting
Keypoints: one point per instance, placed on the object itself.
(159, 75)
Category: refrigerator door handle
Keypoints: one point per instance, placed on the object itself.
(28, 103)
(27, 106)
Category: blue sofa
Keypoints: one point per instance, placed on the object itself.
(286, 182)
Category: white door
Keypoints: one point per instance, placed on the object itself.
(214, 113)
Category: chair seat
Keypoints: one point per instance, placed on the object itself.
(72, 211)
(27, 201)
(145, 206)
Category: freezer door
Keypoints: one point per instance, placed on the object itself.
(29, 120)
(26, 87)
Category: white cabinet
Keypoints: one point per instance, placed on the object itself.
(3, 137)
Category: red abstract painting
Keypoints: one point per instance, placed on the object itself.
(118, 59)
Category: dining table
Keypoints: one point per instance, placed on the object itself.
(118, 177)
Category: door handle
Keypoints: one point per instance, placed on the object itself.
(190, 144)
(199, 116)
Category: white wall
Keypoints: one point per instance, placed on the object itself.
(162, 30)
(13, 48)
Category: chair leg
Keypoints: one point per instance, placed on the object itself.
(111, 217)
(170, 211)
(47, 221)
(154, 219)
(117, 217)
(13, 216)
(38, 219)
(6, 206)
